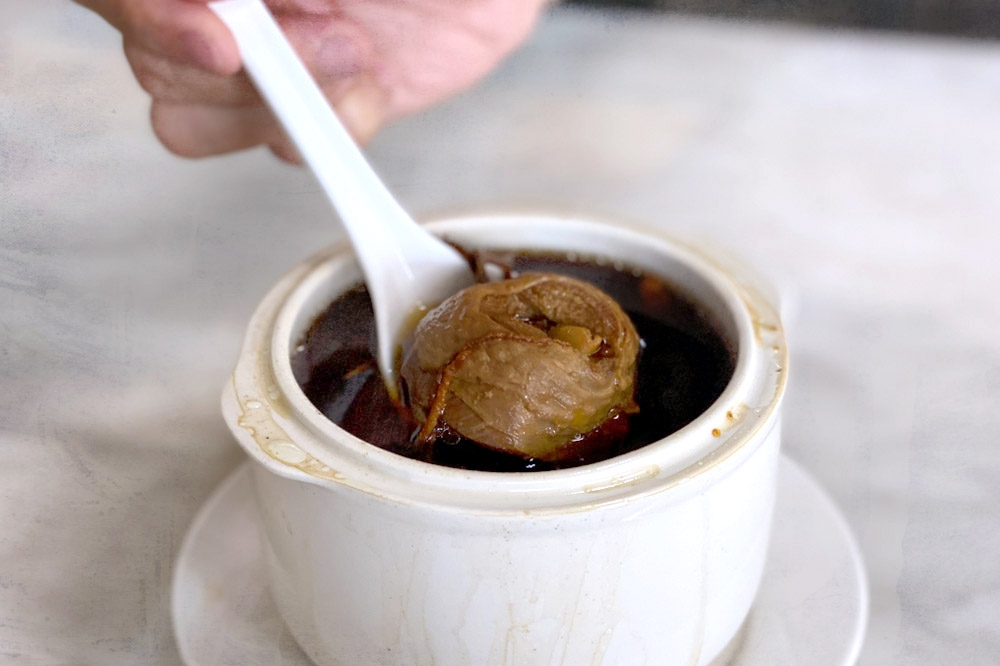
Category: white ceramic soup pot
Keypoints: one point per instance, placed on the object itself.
(650, 558)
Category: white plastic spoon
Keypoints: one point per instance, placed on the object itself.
(406, 268)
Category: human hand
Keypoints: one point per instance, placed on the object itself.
(375, 60)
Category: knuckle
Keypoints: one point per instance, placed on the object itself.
(157, 88)
(145, 72)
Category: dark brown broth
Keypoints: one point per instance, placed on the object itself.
(684, 366)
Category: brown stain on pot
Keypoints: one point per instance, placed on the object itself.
(268, 386)
(617, 482)
(257, 418)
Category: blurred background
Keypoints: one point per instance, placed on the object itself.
(973, 18)
(848, 149)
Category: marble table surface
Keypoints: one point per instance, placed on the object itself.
(858, 170)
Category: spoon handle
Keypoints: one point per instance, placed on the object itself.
(343, 172)
(403, 264)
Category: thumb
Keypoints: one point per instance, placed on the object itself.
(362, 109)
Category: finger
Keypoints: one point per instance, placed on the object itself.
(184, 32)
(199, 131)
(167, 81)
(314, 7)
(332, 53)
(362, 109)
(285, 152)
(331, 48)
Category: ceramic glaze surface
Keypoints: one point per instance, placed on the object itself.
(652, 557)
(405, 585)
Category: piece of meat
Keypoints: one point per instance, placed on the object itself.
(527, 365)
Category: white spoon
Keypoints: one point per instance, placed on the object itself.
(406, 268)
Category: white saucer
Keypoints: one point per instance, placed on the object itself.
(812, 607)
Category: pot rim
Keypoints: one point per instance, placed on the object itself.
(293, 438)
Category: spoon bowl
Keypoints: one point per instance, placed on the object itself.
(406, 268)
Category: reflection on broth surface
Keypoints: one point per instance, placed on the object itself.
(683, 366)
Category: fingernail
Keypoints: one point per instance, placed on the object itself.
(338, 56)
(362, 110)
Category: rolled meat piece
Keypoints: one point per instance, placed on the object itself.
(527, 366)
